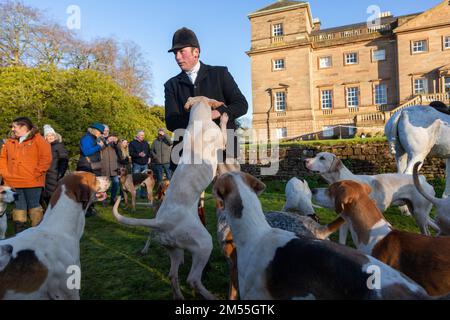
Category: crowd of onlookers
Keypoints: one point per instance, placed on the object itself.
(32, 163)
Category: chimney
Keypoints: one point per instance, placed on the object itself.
(385, 14)
(316, 24)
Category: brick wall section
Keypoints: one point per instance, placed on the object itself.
(372, 158)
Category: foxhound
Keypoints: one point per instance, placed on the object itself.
(442, 205)
(36, 264)
(424, 259)
(131, 182)
(6, 196)
(414, 133)
(387, 189)
(275, 264)
(177, 225)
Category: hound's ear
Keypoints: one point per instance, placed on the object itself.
(342, 197)
(80, 187)
(367, 189)
(219, 193)
(336, 165)
(255, 184)
(214, 104)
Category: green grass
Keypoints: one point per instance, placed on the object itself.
(113, 269)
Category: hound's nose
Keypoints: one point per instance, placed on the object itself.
(16, 197)
(315, 191)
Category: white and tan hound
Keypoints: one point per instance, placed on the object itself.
(36, 264)
(424, 259)
(387, 189)
(7, 196)
(275, 264)
(177, 226)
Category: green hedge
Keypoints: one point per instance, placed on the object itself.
(70, 100)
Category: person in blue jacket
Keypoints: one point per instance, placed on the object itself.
(91, 145)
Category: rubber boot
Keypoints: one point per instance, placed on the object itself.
(20, 219)
(36, 215)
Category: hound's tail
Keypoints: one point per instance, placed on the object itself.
(419, 187)
(325, 231)
(149, 223)
(391, 131)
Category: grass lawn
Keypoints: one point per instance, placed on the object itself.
(113, 269)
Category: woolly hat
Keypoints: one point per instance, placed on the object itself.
(49, 130)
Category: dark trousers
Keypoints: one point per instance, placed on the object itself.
(159, 170)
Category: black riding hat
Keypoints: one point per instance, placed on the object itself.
(184, 38)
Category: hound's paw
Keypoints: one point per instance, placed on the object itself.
(224, 119)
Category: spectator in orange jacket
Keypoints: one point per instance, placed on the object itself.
(24, 161)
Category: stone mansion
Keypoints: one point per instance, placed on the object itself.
(306, 79)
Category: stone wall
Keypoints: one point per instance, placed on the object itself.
(371, 158)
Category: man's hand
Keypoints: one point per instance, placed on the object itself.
(142, 154)
(215, 114)
(101, 144)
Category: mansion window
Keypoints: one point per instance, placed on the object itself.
(380, 94)
(419, 46)
(280, 101)
(277, 30)
(326, 99)
(379, 55)
(353, 97)
(446, 42)
(325, 62)
(447, 84)
(351, 58)
(282, 133)
(278, 64)
(420, 86)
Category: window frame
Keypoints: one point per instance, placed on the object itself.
(324, 57)
(427, 47)
(331, 97)
(346, 63)
(446, 41)
(276, 101)
(274, 64)
(445, 84)
(385, 93)
(425, 86)
(284, 133)
(358, 95)
(281, 29)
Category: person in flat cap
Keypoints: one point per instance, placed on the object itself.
(199, 79)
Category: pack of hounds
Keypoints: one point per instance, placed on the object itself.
(276, 255)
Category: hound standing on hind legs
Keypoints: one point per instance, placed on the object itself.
(177, 225)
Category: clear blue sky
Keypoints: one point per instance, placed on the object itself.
(222, 27)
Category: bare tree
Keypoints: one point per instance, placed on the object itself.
(134, 72)
(29, 38)
(52, 44)
(17, 29)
